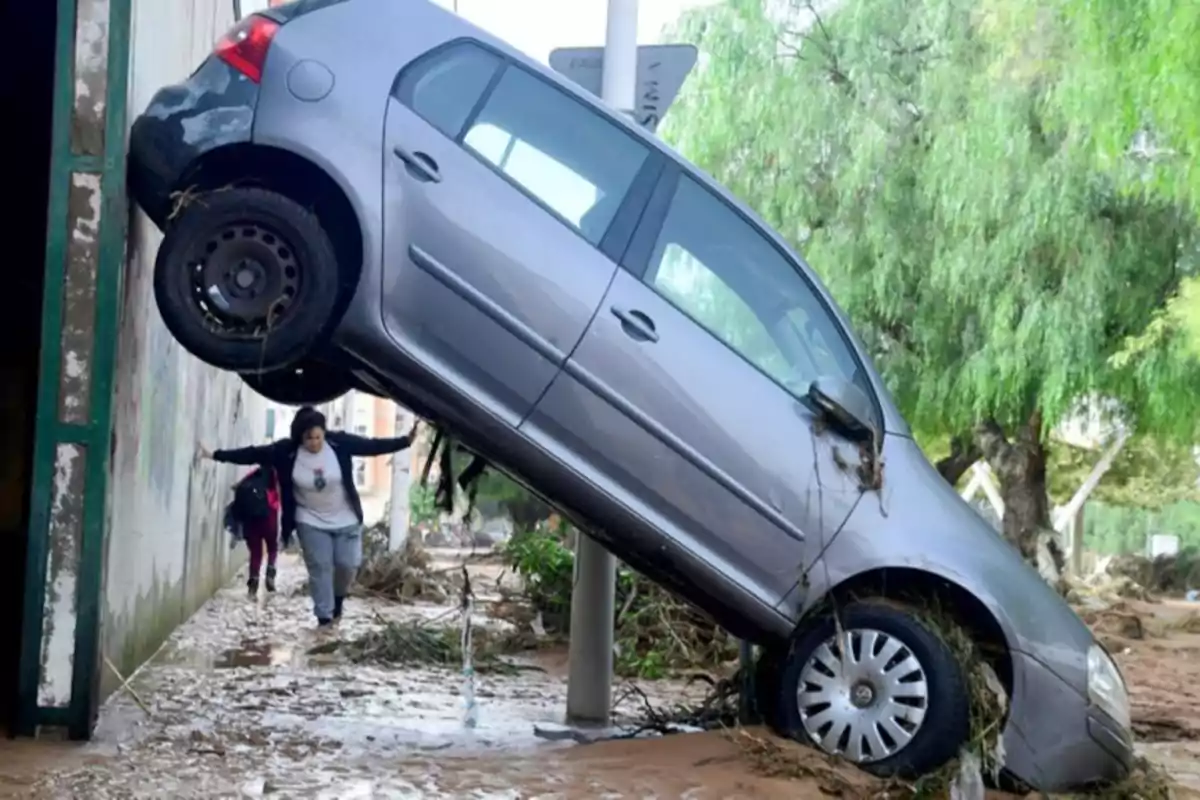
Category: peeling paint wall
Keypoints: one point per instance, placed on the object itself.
(65, 525)
(62, 572)
(166, 550)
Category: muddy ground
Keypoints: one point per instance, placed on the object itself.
(1161, 661)
(235, 706)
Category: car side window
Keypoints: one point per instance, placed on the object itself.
(720, 270)
(559, 151)
(443, 87)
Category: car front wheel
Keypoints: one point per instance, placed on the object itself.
(246, 279)
(885, 692)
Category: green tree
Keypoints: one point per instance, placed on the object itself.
(1122, 82)
(994, 272)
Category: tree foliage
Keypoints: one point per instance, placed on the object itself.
(1121, 81)
(916, 151)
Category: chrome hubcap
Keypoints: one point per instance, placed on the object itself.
(863, 697)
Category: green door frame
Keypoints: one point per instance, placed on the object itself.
(60, 657)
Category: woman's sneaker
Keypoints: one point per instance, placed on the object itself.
(270, 579)
(252, 585)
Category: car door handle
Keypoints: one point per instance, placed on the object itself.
(426, 168)
(636, 324)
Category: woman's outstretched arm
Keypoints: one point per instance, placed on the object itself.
(247, 456)
(363, 446)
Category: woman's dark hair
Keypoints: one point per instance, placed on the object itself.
(305, 420)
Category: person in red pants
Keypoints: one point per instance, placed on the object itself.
(263, 534)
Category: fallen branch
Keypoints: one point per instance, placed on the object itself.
(418, 642)
(125, 686)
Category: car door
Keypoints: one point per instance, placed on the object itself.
(687, 395)
(506, 202)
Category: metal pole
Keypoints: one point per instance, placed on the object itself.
(401, 479)
(589, 687)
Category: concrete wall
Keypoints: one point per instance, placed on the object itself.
(166, 548)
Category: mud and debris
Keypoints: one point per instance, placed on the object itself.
(415, 642)
(408, 574)
(248, 699)
(1155, 638)
(1170, 575)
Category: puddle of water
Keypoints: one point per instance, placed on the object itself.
(253, 653)
(250, 652)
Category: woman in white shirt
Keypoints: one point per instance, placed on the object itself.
(320, 501)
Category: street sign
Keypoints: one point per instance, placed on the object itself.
(661, 71)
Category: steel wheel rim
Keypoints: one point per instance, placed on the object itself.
(243, 279)
(866, 706)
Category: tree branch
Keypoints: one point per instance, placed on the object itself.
(812, 9)
(963, 453)
(1030, 434)
(994, 446)
(837, 75)
(900, 50)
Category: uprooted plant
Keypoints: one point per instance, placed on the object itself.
(423, 642)
(655, 632)
(404, 574)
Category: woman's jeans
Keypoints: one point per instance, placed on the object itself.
(333, 558)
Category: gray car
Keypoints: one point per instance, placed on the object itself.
(376, 194)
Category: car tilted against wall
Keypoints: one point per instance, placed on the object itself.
(374, 193)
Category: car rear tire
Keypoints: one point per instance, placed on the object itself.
(899, 707)
(309, 384)
(246, 279)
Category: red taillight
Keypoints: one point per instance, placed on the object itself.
(245, 46)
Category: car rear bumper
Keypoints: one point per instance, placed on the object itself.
(1056, 740)
(183, 123)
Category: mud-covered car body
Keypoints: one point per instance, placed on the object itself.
(754, 478)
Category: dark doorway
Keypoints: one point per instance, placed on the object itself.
(28, 88)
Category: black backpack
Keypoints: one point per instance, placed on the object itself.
(250, 497)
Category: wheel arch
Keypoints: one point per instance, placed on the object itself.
(914, 584)
(297, 177)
